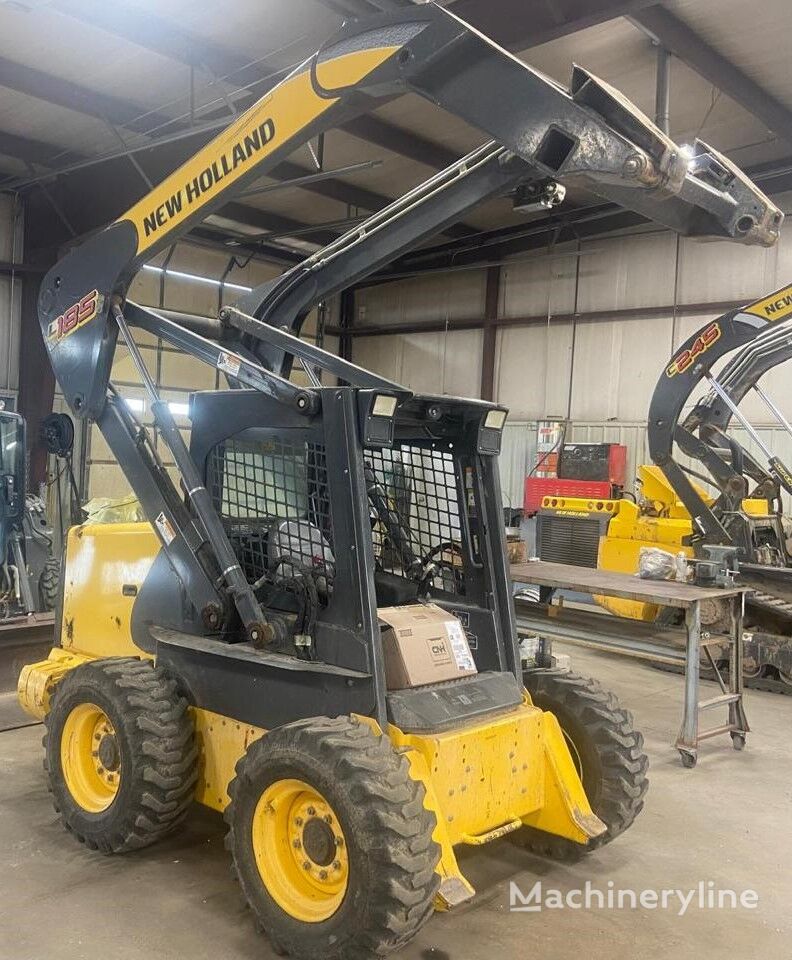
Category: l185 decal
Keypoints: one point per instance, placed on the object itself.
(77, 314)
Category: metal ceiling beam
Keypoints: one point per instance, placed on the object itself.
(774, 177)
(164, 36)
(348, 193)
(688, 46)
(19, 268)
(517, 25)
(403, 142)
(514, 23)
(28, 149)
(495, 246)
(63, 93)
(208, 236)
(266, 222)
(539, 319)
(331, 188)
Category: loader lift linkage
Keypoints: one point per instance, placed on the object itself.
(306, 510)
(590, 134)
(761, 331)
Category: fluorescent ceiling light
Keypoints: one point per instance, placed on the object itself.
(180, 275)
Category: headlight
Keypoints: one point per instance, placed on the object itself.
(384, 405)
(495, 419)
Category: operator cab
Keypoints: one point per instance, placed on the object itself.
(283, 495)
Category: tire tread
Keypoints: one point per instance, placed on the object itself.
(619, 746)
(391, 806)
(155, 719)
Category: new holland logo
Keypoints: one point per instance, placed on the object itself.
(196, 186)
(75, 316)
(777, 306)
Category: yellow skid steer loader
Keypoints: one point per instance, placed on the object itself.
(237, 649)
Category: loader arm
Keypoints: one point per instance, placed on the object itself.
(587, 134)
(488, 171)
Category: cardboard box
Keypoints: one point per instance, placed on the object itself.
(423, 643)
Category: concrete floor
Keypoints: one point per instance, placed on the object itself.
(726, 821)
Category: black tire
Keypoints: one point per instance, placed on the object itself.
(153, 748)
(607, 750)
(49, 584)
(391, 857)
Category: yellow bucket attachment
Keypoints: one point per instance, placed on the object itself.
(488, 779)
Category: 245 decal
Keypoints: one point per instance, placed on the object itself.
(77, 314)
(700, 345)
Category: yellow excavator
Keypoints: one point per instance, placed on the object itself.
(706, 494)
(238, 648)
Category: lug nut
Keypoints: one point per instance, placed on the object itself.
(296, 844)
(328, 818)
(311, 812)
(323, 874)
(306, 865)
(336, 864)
(299, 821)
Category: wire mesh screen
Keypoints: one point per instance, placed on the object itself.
(420, 485)
(273, 497)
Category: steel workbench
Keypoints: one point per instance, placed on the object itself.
(646, 640)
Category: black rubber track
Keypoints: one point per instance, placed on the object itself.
(765, 680)
(49, 584)
(155, 738)
(606, 745)
(764, 614)
(388, 831)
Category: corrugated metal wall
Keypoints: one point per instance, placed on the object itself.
(589, 370)
(11, 232)
(601, 373)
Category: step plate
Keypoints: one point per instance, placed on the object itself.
(438, 706)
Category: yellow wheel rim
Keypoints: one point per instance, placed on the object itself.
(300, 850)
(90, 758)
